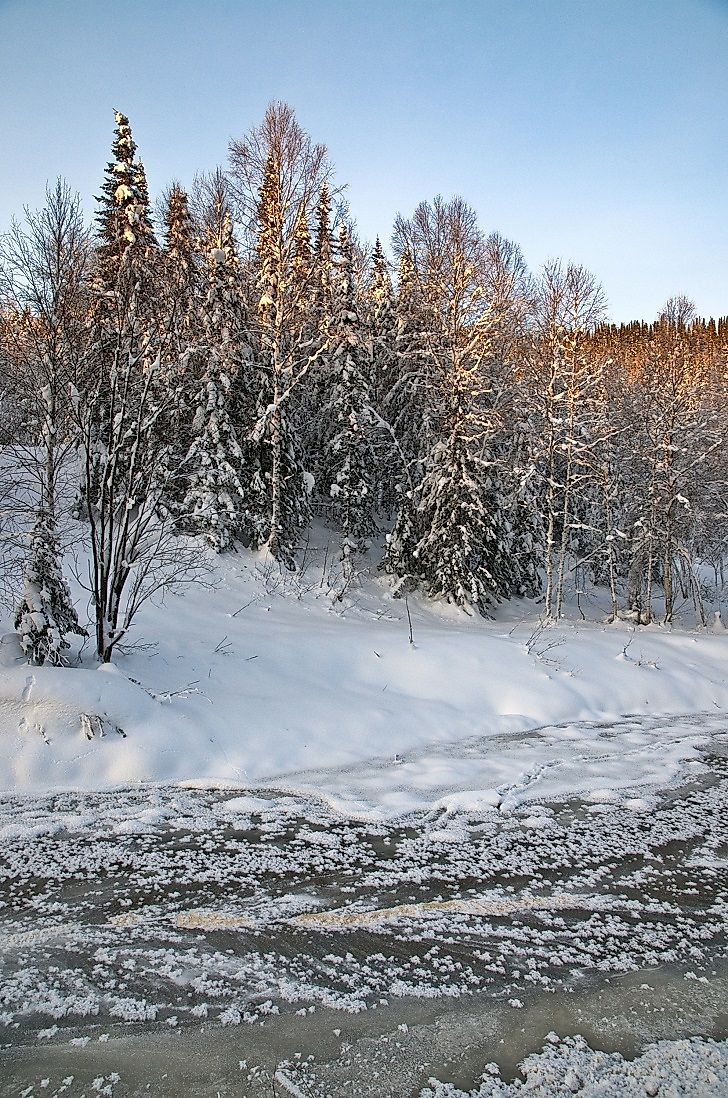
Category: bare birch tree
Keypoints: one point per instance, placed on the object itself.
(562, 383)
(43, 266)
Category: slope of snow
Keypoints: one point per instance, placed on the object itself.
(268, 679)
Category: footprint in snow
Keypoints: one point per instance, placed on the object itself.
(28, 688)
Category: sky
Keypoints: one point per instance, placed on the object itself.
(591, 130)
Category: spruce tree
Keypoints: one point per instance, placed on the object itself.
(408, 406)
(315, 393)
(323, 259)
(123, 407)
(350, 462)
(181, 263)
(302, 265)
(182, 308)
(45, 613)
(522, 547)
(225, 496)
(280, 357)
(453, 544)
(451, 536)
(125, 322)
(382, 323)
(409, 400)
(123, 219)
(276, 172)
(383, 327)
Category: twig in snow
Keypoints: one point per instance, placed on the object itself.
(183, 692)
(409, 619)
(242, 608)
(326, 559)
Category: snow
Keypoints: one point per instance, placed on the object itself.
(271, 680)
(240, 906)
(689, 1067)
(243, 805)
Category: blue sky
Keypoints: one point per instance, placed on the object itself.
(594, 130)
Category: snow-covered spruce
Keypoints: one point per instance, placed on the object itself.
(45, 613)
(315, 326)
(225, 494)
(408, 398)
(451, 535)
(181, 303)
(123, 219)
(382, 329)
(350, 467)
(284, 356)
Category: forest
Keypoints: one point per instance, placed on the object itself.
(226, 366)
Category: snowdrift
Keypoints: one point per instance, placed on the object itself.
(266, 677)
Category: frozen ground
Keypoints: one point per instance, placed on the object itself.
(198, 941)
(322, 860)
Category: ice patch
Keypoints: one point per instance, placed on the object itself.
(493, 905)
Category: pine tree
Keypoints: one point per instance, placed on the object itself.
(302, 265)
(125, 325)
(454, 556)
(123, 406)
(142, 222)
(408, 408)
(350, 463)
(45, 613)
(277, 172)
(522, 546)
(304, 405)
(215, 500)
(126, 273)
(509, 292)
(323, 260)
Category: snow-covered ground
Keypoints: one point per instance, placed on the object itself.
(570, 1067)
(377, 862)
(268, 678)
(275, 938)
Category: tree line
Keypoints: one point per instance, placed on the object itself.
(247, 362)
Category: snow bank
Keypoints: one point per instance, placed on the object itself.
(259, 682)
